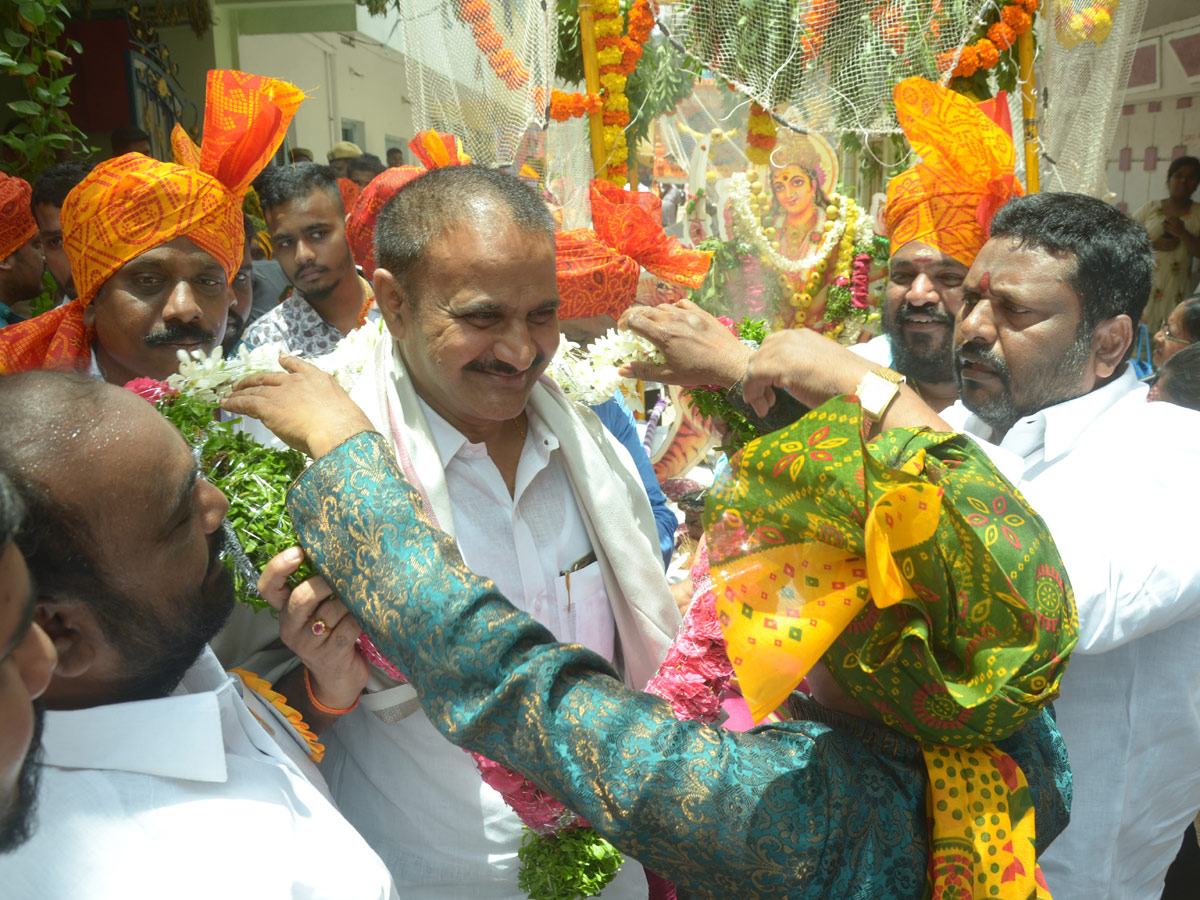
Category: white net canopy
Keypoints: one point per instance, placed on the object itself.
(480, 70)
(1087, 48)
(833, 62)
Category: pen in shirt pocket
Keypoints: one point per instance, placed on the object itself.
(581, 563)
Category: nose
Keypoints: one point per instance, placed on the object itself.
(213, 505)
(977, 324)
(183, 304)
(921, 292)
(304, 253)
(36, 660)
(516, 347)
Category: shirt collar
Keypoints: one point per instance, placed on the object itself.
(450, 441)
(179, 736)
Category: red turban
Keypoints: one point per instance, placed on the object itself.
(131, 204)
(16, 220)
(598, 267)
(434, 149)
(965, 175)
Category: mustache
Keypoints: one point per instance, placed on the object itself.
(969, 353)
(498, 367)
(907, 312)
(178, 334)
(306, 270)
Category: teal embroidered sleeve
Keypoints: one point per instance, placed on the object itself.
(831, 806)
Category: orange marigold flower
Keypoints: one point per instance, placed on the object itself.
(968, 63)
(988, 54)
(490, 43)
(616, 117)
(1002, 35)
(945, 60)
(1030, 6)
(1016, 19)
(475, 10)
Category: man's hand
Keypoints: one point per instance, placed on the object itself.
(698, 348)
(808, 366)
(318, 629)
(305, 407)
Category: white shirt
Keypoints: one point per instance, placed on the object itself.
(416, 798)
(878, 350)
(1114, 477)
(186, 796)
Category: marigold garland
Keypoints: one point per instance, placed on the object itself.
(993, 37)
(564, 106)
(477, 15)
(760, 135)
(618, 55)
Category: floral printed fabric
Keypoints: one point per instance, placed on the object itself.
(828, 806)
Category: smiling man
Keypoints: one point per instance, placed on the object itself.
(537, 495)
(154, 246)
(329, 297)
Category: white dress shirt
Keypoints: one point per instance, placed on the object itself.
(187, 796)
(1114, 477)
(877, 350)
(416, 798)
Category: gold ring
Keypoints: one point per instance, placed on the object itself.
(319, 627)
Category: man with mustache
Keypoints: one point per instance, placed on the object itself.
(161, 774)
(536, 494)
(242, 289)
(154, 246)
(27, 660)
(329, 296)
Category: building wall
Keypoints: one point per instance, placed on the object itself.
(1157, 124)
(346, 76)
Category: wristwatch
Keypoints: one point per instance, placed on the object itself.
(876, 392)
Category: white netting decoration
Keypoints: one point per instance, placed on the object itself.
(479, 70)
(833, 61)
(1087, 50)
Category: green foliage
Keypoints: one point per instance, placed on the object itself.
(254, 478)
(569, 63)
(33, 35)
(564, 865)
(727, 255)
(714, 404)
(663, 77)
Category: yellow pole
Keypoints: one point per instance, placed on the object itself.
(1029, 111)
(591, 80)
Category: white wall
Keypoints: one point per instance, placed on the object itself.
(1164, 118)
(344, 77)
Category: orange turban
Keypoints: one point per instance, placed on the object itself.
(133, 203)
(430, 148)
(598, 267)
(350, 192)
(16, 219)
(965, 175)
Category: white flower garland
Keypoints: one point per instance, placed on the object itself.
(589, 375)
(746, 223)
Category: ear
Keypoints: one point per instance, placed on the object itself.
(75, 633)
(1110, 340)
(8, 263)
(392, 300)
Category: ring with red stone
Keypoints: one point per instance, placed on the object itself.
(319, 627)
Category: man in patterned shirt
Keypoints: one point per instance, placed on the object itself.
(329, 296)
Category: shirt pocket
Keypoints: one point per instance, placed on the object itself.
(584, 609)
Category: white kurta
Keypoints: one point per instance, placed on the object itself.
(1115, 479)
(187, 796)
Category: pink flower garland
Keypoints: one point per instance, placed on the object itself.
(860, 277)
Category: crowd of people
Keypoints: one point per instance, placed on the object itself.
(1010, 708)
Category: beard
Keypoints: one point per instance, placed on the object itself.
(1048, 388)
(16, 825)
(921, 356)
(159, 647)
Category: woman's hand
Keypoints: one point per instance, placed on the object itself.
(318, 629)
(698, 349)
(304, 406)
(1174, 227)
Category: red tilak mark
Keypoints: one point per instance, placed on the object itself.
(985, 283)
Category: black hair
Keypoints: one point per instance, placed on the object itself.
(296, 181)
(1114, 265)
(12, 511)
(125, 137)
(1191, 317)
(1181, 161)
(440, 199)
(1179, 378)
(368, 162)
(55, 182)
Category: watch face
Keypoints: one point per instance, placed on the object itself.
(875, 393)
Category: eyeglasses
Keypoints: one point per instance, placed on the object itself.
(1166, 333)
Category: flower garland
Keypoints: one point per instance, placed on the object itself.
(564, 106)
(477, 15)
(816, 23)
(1092, 23)
(743, 200)
(716, 136)
(589, 375)
(262, 687)
(997, 33)
(618, 56)
(760, 135)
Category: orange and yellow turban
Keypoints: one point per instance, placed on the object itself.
(965, 175)
(434, 149)
(598, 267)
(134, 203)
(16, 220)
